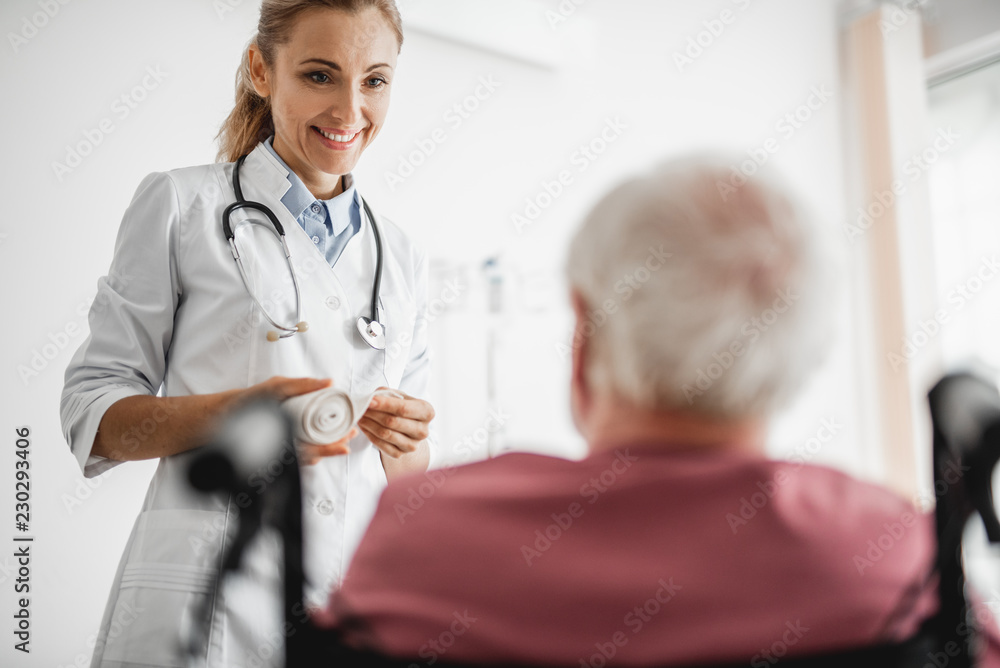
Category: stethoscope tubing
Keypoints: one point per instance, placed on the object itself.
(242, 203)
(378, 260)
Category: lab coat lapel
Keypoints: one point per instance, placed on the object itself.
(348, 284)
(262, 177)
(356, 267)
(266, 180)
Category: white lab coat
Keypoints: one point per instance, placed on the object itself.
(173, 311)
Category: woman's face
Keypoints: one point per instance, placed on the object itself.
(329, 92)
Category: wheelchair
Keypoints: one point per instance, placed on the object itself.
(965, 414)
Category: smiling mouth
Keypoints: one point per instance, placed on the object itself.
(341, 139)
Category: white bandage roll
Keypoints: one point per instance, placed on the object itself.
(327, 415)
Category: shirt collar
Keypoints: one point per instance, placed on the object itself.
(298, 198)
(343, 208)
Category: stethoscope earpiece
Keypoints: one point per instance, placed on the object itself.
(371, 330)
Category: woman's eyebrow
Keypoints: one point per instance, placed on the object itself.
(334, 66)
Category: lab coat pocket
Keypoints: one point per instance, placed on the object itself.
(167, 581)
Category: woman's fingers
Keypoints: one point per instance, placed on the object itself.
(280, 388)
(383, 424)
(408, 407)
(310, 453)
(396, 426)
(311, 456)
(392, 443)
(283, 388)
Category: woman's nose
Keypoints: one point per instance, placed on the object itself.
(346, 107)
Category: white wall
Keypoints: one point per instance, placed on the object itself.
(558, 87)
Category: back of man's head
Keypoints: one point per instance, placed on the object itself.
(702, 296)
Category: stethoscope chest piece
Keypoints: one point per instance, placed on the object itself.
(372, 332)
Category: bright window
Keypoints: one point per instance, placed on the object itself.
(965, 205)
(965, 201)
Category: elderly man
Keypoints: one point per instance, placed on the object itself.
(698, 313)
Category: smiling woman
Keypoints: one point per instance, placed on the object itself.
(319, 81)
(312, 94)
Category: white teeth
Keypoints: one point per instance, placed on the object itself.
(344, 139)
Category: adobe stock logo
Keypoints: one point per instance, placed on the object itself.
(790, 637)
(913, 169)
(713, 28)
(121, 107)
(787, 127)
(636, 620)
(751, 330)
(582, 158)
(767, 489)
(563, 522)
(455, 117)
(630, 283)
(31, 25)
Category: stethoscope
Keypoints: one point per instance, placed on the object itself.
(370, 328)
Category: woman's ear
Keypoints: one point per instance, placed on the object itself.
(258, 71)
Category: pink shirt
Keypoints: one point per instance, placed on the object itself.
(636, 556)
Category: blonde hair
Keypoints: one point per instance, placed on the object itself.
(250, 123)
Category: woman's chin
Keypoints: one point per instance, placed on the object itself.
(335, 165)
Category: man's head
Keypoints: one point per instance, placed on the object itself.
(696, 297)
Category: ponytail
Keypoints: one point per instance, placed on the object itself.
(249, 123)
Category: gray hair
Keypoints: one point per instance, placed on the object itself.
(702, 296)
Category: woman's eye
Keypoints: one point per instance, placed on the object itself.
(377, 82)
(318, 77)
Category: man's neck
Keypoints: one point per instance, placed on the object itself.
(615, 424)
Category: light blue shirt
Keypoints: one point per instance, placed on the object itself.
(329, 223)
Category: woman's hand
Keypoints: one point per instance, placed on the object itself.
(182, 423)
(396, 426)
(310, 453)
(281, 388)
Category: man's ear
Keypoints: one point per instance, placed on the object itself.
(580, 395)
(259, 75)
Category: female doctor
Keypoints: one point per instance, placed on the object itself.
(176, 318)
